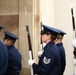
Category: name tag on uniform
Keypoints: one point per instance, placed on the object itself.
(46, 61)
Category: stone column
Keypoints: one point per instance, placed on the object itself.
(36, 28)
(23, 41)
(47, 12)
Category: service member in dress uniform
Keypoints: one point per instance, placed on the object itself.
(14, 57)
(61, 48)
(49, 62)
(3, 56)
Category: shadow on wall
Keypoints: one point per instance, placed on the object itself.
(25, 71)
(11, 24)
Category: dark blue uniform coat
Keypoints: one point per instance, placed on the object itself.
(62, 57)
(14, 61)
(49, 62)
(3, 59)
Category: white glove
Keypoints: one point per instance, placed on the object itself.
(40, 53)
(74, 42)
(30, 62)
(74, 61)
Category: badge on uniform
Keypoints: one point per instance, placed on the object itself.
(46, 61)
